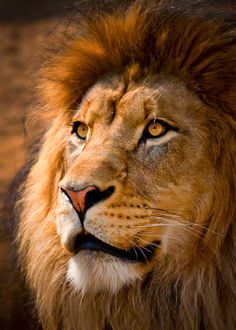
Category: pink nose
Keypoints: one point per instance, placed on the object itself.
(78, 198)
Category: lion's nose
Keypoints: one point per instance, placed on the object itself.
(78, 198)
(85, 198)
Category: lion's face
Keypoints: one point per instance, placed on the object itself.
(127, 211)
(143, 147)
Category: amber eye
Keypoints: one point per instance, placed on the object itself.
(80, 129)
(155, 129)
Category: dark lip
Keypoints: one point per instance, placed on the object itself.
(138, 254)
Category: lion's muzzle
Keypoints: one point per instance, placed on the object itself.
(81, 200)
(136, 254)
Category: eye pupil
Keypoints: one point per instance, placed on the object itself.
(155, 129)
(81, 130)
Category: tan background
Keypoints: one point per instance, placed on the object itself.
(25, 27)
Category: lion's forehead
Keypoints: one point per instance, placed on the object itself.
(106, 101)
(135, 103)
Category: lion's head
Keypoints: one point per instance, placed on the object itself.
(128, 212)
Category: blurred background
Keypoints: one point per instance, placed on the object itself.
(25, 27)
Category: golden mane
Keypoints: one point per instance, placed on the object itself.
(153, 38)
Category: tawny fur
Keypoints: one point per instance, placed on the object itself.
(198, 291)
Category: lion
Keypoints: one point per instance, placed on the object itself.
(127, 212)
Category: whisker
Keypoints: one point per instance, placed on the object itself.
(193, 231)
(156, 245)
(164, 211)
(157, 235)
(146, 243)
(174, 219)
(132, 243)
(202, 227)
(167, 224)
(186, 224)
(171, 214)
(158, 225)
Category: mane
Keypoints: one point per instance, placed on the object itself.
(181, 39)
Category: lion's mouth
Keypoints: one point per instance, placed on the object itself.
(138, 254)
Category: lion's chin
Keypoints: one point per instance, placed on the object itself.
(95, 271)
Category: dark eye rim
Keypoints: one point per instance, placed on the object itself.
(74, 130)
(167, 127)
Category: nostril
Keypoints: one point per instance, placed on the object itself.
(85, 198)
(95, 196)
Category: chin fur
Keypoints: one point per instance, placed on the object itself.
(96, 271)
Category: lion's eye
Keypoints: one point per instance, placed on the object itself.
(155, 129)
(80, 129)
